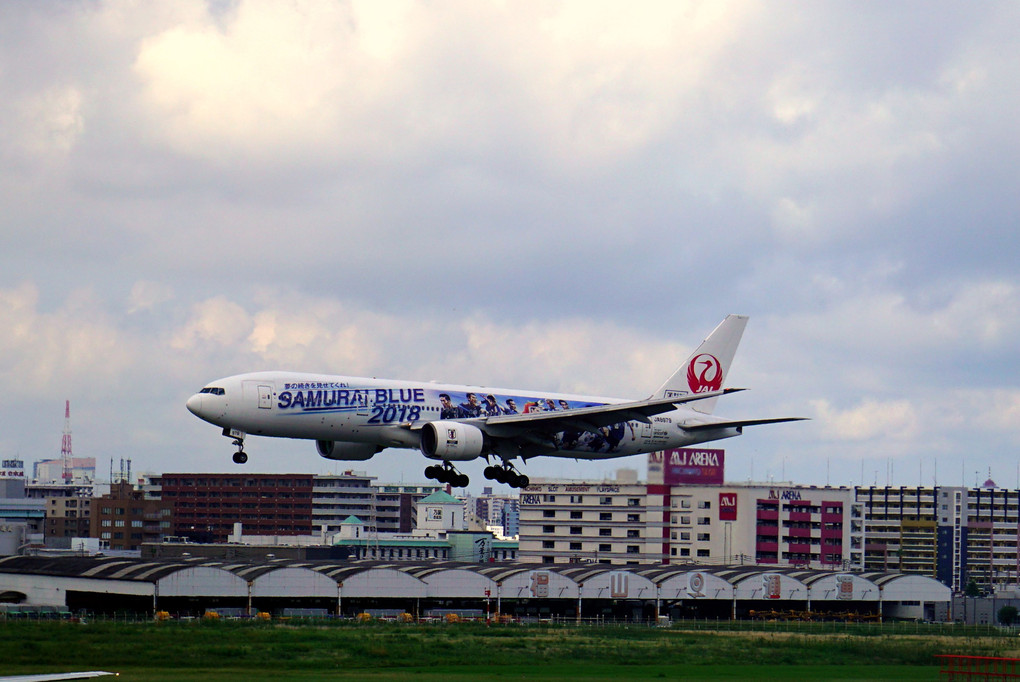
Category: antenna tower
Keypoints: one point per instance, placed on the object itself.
(65, 444)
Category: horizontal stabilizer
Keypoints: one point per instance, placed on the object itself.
(742, 423)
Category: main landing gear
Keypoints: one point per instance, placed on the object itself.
(240, 457)
(508, 475)
(447, 474)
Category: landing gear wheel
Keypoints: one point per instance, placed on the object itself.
(240, 457)
(506, 474)
(447, 474)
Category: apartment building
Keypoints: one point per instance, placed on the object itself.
(66, 518)
(953, 533)
(124, 519)
(206, 506)
(610, 522)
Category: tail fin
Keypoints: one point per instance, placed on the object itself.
(706, 368)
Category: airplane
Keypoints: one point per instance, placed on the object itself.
(354, 418)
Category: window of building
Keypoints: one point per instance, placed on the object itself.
(576, 499)
(548, 544)
(685, 520)
(633, 534)
(704, 504)
(633, 518)
(605, 500)
(605, 532)
(704, 537)
(633, 501)
(548, 514)
(575, 530)
(548, 560)
(575, 514)
(605, 548)
(704, 521)
(575, 546)
(548, 529)
(633, 549)
(703, 553)
(686, 504)
(606, 516)
(685, 551)
(685, 535)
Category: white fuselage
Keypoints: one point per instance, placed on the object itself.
(390, 413)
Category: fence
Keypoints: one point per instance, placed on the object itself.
(978, 668)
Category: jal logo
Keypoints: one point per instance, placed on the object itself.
(451, 434)
(704, 374)
(618, 585)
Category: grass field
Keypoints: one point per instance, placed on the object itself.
(235, 650)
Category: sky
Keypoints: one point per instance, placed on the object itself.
(560, 196)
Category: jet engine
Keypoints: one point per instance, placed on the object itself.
(450, 440)
(337, 449)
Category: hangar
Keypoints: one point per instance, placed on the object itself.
(189, 586)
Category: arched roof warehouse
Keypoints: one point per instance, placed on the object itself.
(46, 581)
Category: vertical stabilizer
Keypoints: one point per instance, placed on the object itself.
(706, 369)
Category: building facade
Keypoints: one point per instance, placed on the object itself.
(66, 518)
(589, 522)
(628, 523)
(206, 506)
(124, 519)
(384, 508)
(952, 533)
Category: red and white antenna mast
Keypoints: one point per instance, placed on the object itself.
(65, 444)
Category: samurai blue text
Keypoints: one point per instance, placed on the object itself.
(388, 404)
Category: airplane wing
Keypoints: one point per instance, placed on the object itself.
(589, 418)
(46, 677)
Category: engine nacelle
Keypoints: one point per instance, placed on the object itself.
(334, 449)
(450, 440)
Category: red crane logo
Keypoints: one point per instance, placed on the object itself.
(704, 373)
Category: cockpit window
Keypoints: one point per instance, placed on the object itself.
(214, 390)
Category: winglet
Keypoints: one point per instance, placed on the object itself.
(706, 369)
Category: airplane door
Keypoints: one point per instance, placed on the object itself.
(262, 392)
(265, 397)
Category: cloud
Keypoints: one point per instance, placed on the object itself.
(893, 420)
(215, 322)
(146, 295)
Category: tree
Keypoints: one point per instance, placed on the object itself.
(972, 589)
(1007, 615)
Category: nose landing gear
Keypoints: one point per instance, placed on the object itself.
(240, 457)
(447, 474)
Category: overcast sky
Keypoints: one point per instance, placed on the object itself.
(565, 196)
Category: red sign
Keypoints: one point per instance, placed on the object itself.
(691, 466)
(727, 506)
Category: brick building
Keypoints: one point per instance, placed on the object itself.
(124, 519)
(67, 517)
(206, 506)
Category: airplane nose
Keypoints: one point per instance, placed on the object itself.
(195, 404)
